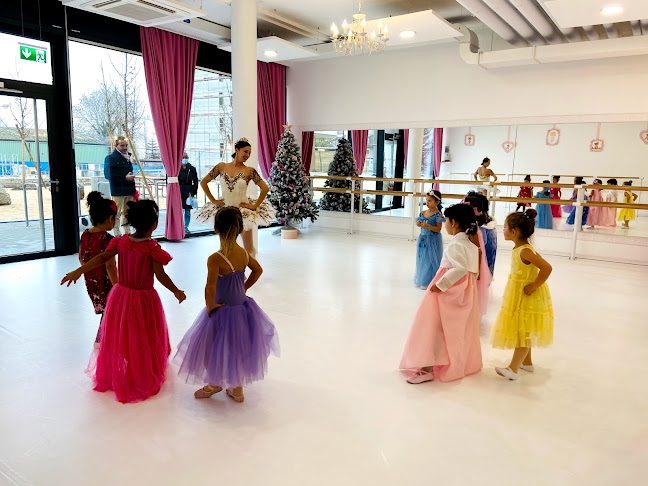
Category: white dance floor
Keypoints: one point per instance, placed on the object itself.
(333, 409)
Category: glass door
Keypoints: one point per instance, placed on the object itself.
(26, 189)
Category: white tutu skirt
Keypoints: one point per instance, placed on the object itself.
(261, 216)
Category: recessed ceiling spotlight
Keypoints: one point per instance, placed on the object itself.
(612, 10)
(270, 53)
(407, 34)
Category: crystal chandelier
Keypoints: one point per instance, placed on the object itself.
(355, 39)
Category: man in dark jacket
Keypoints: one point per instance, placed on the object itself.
(119, 172)
(188, 180)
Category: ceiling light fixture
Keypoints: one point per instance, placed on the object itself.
(355, 39)
(270, 53)
(407, 34)
(612, 10)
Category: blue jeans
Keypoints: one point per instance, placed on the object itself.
(187, 218)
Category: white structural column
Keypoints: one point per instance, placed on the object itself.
(414, 159)
(244, 80)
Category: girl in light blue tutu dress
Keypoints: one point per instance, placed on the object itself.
(544, 218)
(429, 248)
(230, 341)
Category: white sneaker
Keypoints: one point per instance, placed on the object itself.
(529, 368)
(507, 373)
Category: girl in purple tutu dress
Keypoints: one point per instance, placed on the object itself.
(230, 341)
(135, 348)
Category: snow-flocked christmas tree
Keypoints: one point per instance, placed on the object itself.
(342, 165)
(289, 191)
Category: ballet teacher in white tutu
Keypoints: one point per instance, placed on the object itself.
(234, 179)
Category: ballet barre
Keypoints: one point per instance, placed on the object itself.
(416, 194)
(616, 188)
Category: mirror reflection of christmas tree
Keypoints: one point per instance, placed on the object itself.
(288, 182)
(342, 165)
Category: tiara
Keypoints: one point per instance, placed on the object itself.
(242, 139)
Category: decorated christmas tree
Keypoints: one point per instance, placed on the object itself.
(288, 183)
(342, 165)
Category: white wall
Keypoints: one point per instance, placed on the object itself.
(624, 154)
(431, 86)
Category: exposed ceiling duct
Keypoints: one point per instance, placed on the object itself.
(578, 51)
(591, 32)
(644, 26)
(636, 27)
(611, 31)
(493, 21)
(538, 19)
(516, 20)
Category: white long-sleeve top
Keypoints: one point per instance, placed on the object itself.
(460, 256)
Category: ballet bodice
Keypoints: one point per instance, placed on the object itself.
(234, 189)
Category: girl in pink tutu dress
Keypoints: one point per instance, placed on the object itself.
(135, 346)
(595, 216)
(443, 343)
(230, 341)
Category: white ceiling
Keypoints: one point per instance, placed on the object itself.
(320, 13)
(577, 13)
(285, 50)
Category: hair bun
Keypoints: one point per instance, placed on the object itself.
(94, 197)
(531, 213)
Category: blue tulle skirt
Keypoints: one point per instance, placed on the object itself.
(490, 244)
(429, 251)
(572, 216)
(544, 218)
(228, 349)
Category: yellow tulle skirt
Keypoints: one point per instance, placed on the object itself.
(524, 321)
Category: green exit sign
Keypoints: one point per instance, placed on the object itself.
(33, 54)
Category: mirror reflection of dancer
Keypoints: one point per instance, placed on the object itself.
(234, 179)
(483, 174)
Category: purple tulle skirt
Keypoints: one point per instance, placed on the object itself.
(228, 349)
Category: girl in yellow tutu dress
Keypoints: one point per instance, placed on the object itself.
(525, 320)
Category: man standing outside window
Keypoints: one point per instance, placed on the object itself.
(188, 179)
(119, 172)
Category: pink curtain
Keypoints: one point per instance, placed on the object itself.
(359, 139)
(271, 103)
(406, 145)
(437, 153)
(169, 67)
(308, 141)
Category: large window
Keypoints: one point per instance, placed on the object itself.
(109, 94)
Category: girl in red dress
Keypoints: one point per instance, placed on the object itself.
(525, 191)
(135, 347)
(556, 210)
(94, 241)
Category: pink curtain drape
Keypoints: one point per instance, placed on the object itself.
(271, 103)
(169, 67)
(308, 142)
(437, 153)
(359, 139)
(406, 145)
